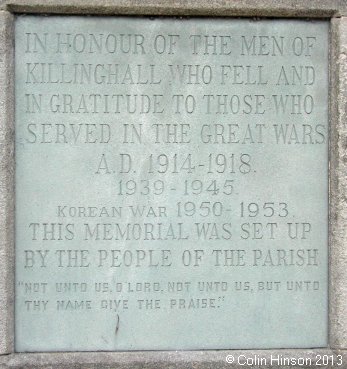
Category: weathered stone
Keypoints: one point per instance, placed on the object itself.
(194, 180)
(200, 359)
(338, 186)
(6, 183)
(178, 360)
(264, 8)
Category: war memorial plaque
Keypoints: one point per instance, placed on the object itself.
(171, 183)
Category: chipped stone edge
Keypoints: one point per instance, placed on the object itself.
(236, 8)
(177, 359)
(6, 183)
(338, 185)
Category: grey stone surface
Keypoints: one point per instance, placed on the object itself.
(338, 187)
(262, 180)
(6, 183)
(265, 8)
(179, 360)
(208, 359)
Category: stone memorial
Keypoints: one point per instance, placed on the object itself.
(169, 176)
(172, 188)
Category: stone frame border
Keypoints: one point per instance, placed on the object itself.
(336, 12)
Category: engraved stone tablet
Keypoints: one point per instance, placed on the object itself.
(171, 183)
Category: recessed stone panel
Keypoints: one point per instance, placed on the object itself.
(171, 183)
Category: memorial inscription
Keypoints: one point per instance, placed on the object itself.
(171, 183)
